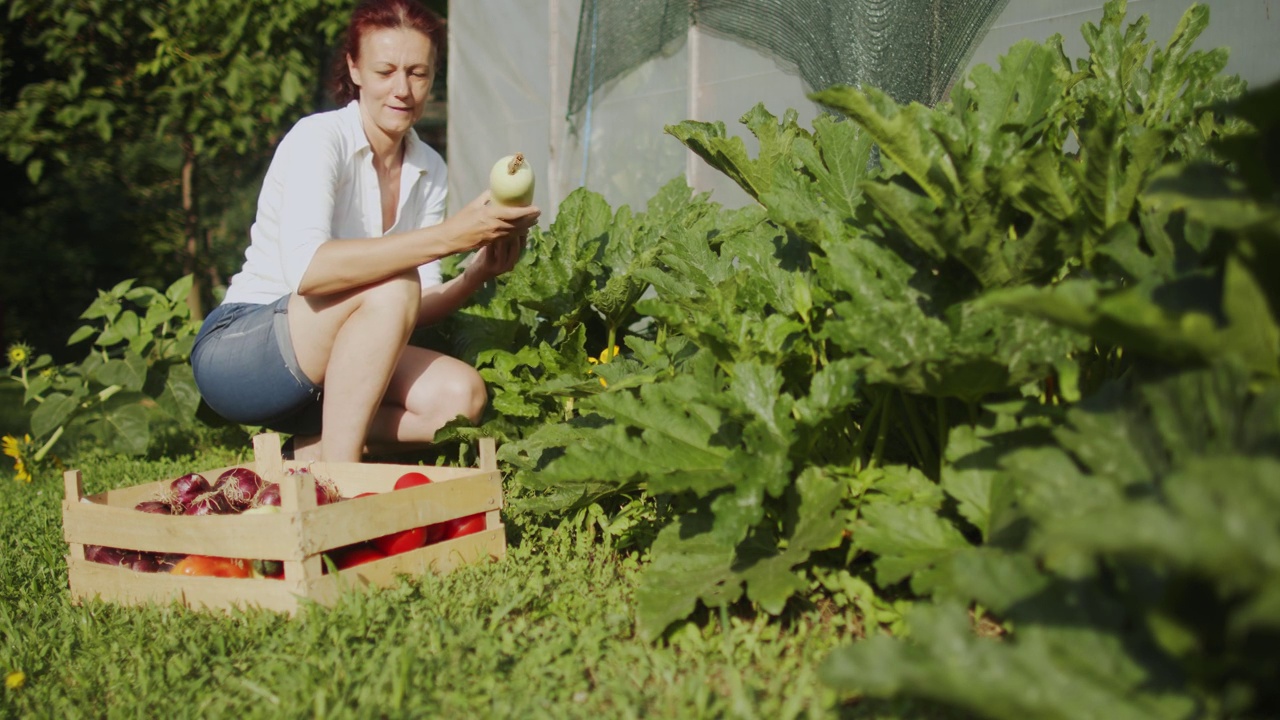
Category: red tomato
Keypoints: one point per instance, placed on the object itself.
(411, 479)
(437, 532)
(462, 526)
(412, 538)
(402, 541)
(208, 566)
(357, 554)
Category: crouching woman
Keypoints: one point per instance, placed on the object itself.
(312, 337)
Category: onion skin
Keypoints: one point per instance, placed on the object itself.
(210, 503)
(511, 181)
(239, 485)
(131, 559)
(155, 507)
(269, 496)
(188, 488)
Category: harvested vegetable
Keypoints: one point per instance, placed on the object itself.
(511, 181)
(210, 566)
(156, 507)
(405, 540)
(188, 488)
(240, 485)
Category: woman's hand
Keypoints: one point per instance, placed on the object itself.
(496, 258)
(482, 223)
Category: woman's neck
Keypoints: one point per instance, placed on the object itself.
(388, 149)
(387, 157)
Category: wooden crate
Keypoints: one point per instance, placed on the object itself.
(298, 535)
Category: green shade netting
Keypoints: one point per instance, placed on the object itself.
(911, 49)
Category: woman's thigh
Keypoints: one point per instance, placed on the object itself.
(315, 322)
(430, 384)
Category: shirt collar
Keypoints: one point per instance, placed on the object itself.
(416, 155)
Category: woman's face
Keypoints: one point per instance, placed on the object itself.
(394, 75)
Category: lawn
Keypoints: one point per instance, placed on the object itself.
(549, 632)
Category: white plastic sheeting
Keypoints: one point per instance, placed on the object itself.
(510, 62)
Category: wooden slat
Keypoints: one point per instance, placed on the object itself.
(360, 519)
(298, 495)
(125, 586)
(488, 454)
(355, 478)
(273, 537)
(73, 489)
(268, 462)
(438, 558)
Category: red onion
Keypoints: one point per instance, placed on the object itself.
(156, 507)
(210, 503)
(188, 488)
(142, 562)
(132, 559)
(105, 555)
(270, 495)
(240, 485)
(326, 492)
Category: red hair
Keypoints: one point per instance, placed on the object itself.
(372, 15)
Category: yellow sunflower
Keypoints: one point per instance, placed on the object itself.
(13, 447)
(19, 354)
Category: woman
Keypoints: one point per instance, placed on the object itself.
(312, 336)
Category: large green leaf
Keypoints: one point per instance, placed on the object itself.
(1055, 673)
(51, 413)
(562, 266)
(907, 539)
(729, 154)
(124, 426)
(129, 372)
(180, 397)
(708, 557)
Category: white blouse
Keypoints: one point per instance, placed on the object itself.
(321, 186)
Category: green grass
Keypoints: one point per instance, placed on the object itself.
(547, 633)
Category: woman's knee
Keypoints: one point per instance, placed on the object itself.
(471, 394)
(461, 392)
(399, 296)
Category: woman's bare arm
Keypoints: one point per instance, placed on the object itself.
(341, 265)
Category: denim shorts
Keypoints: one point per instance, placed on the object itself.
(247, 372)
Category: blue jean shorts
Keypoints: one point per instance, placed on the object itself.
(247, 372)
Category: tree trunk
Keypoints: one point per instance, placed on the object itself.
(193, 256)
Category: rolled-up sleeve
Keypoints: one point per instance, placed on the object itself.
(434, 206)
(310, 175)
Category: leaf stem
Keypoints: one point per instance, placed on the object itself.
(944, 429)
(48, 445)
(861, 444)
(882, 435)
(924, 451)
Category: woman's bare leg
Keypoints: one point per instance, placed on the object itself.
(427, 390)
(352, 343)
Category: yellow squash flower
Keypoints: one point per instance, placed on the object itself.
(605, 356)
